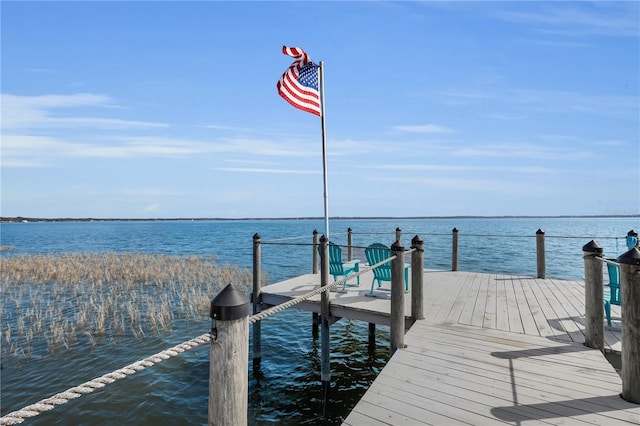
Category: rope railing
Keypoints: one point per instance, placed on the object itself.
(47, 404)
(605, 260)
(299, 237)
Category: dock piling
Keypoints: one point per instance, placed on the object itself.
(454, 249)
(593, 295)
(397, 297)
(630, 292)
(417, 277)
(540, 254)
(315, 317)
(325, 373)
(256, 298)
(229, 358)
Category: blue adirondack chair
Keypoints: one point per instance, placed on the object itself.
(338, 268)
(376, 253)
(612, 293)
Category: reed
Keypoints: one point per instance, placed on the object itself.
(53, 302)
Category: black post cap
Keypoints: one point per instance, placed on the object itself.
(592, 247)
(397, 246)
(632, 233)
(416, 240)
(631, 257)
(455, 230)
(539, 231)
(229, 304)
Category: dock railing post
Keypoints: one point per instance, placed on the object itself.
(454, 249)
(315, 270)
(630, 292)
(540, 254)
(256, 298)
(399, 235)
(349, 244)
(315, 254)
(397, 297)
(417, 278)
(593, 296)
(229, 358)
(325, 372)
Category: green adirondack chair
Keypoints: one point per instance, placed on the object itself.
(376, 253)
(612, 293)
(339, 268)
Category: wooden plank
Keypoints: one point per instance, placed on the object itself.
(472, 289)
(513, 311)
(490, 313)
(458, 304)
(454, 372)
(527, 319)
(502, 313)
(482, 281)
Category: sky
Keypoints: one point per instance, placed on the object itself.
(170, 109)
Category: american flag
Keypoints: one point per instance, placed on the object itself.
(299, 84)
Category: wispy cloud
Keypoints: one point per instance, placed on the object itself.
(36, 112)
(469, 168)
(546, 101)
(263, 170)
(579, 18)
(37, 151)
(423, 128)
(528, 151)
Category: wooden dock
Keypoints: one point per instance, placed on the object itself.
(492, 349)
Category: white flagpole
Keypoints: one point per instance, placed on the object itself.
(324, 155)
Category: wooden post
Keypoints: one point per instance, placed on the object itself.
(454, 250)
(540, 255)
(325, 373)
(315, 255)
(399, 235)
(630, 292)
(417, 277)
(397, 297)
(229, 358)
(315, 270)
(349, 244)
(372, 337)
(594, 300)
(256, 298)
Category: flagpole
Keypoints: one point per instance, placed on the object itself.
(324, 155)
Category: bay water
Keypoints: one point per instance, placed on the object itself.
(287, 388)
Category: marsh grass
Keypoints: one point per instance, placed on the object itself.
(52, 302)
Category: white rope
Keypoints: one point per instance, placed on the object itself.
(16, 417)
(603, 260)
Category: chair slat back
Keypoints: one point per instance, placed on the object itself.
(376, 253)
(614, 283)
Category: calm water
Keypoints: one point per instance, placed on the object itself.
(287, 388)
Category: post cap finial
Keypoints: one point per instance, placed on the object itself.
(539, 231)
(592, 247)
(397, 246)
(631, 257)
(229, 304)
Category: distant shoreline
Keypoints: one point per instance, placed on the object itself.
(20, 219)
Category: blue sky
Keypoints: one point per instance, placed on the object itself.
(170, 109)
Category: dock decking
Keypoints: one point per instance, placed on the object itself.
(492, 349)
